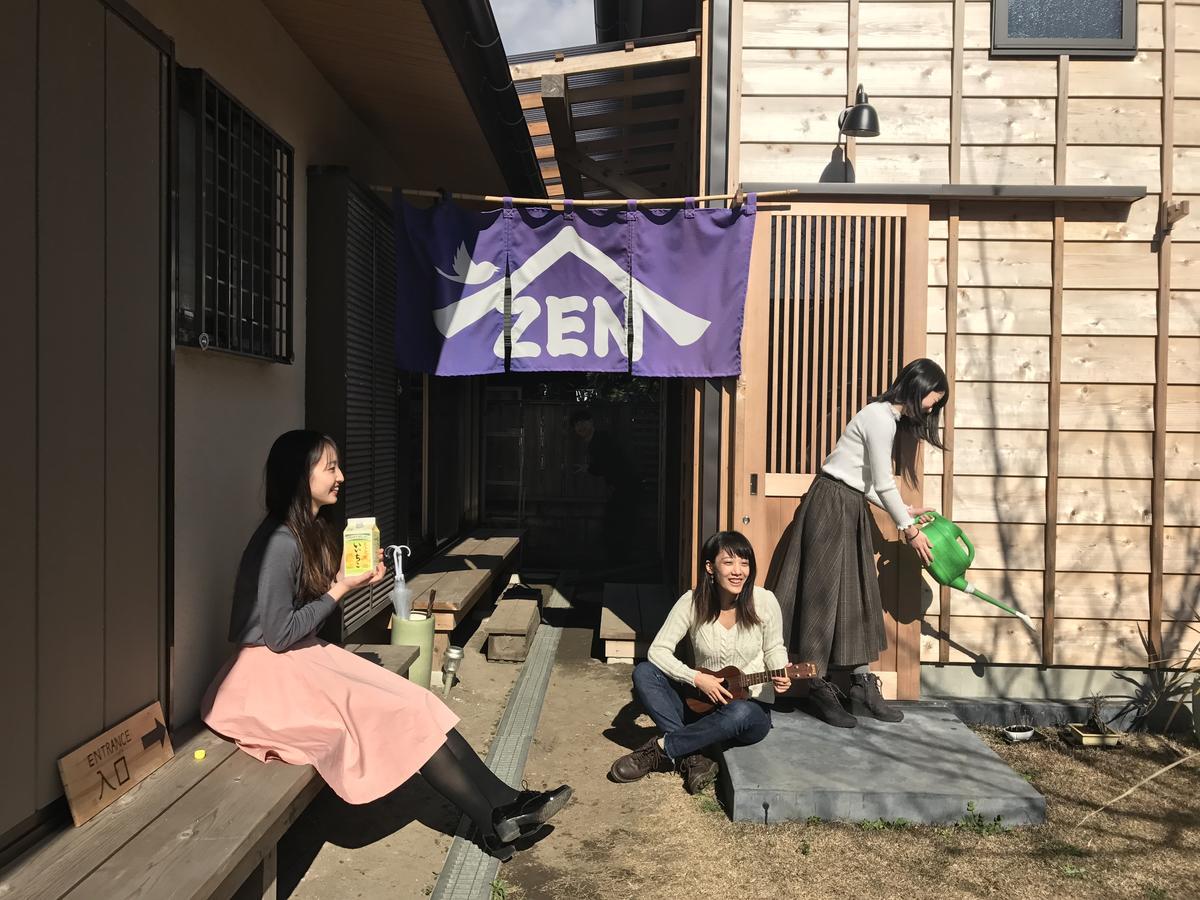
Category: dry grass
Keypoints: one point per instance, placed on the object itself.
(651, 839)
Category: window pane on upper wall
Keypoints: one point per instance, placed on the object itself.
(1065, 18)
(1074, 27)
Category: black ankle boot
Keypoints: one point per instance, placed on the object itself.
(867, 700)
(825, 701)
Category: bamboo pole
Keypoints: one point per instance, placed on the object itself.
(559, 201)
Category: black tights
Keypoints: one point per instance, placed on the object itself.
(457, 773)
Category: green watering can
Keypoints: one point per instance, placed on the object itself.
(953, 554)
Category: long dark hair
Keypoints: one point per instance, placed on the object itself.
(289, 465)
(705, 601)
(915, 381)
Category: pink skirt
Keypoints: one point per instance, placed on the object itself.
(364, 729)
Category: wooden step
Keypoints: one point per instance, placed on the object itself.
(632, 616)
(511, 629)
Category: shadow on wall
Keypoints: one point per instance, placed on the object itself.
(839, 170)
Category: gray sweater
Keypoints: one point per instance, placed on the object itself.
(265, 609)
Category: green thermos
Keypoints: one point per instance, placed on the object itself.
(953, 554)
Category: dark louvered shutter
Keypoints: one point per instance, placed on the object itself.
(351, 327)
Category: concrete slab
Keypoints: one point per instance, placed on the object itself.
(925, 769)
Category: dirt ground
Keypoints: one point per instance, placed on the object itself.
(395, 847)
(652, 839)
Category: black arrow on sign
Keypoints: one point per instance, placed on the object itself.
(158, 735)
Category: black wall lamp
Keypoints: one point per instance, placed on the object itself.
(859, 120)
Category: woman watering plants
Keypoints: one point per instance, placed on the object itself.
(828, 589)
(286, 695)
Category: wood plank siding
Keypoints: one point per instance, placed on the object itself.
(1071, 331)
(82, 245)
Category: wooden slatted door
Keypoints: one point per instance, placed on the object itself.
(835, 307)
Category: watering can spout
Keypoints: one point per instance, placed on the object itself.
(953, 554)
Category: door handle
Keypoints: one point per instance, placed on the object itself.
(754, 485)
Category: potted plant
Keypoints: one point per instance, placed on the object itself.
(1022, 731)
(1095, 732)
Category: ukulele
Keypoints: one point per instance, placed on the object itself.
(737, 682)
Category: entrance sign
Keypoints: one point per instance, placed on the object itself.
(652, 292)
(112, 764)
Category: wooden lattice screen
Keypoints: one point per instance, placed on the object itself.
(835, 306)
(836, 284)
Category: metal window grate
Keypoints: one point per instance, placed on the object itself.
(238, 192)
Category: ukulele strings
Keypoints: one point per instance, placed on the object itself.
(761, 677)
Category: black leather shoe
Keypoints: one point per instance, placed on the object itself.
(867, 700)
(825, 702)
(497, 847)
(530, 808)
(640, 762)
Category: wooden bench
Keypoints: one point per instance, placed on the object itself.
(632, 616)
(459, 578)
(193, 829)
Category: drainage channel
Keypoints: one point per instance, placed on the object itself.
(469, 872)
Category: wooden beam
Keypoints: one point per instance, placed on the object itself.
(604, 174)
(1060, 120)
(638, 87)
(1158, 505)
(562, 131)
(629, 142)
(956, 98)
(945, 598)
(851, 144)
(667, 112)
(1054, 413)
(604, 62)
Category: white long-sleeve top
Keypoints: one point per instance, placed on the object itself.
(754, 649)
(863, 459)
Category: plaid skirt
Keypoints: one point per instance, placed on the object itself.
(828, 586)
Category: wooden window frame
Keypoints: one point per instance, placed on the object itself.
(1124, 47)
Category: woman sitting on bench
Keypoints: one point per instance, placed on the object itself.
(730, 622)
(287, 695)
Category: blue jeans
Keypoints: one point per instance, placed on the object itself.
(739, 722)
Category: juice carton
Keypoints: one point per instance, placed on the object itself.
(360, 545)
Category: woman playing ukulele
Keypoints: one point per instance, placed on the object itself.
(729, 622)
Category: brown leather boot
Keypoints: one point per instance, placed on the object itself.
(866, 699)
(640, 762)
(698, 772)
(825, 701)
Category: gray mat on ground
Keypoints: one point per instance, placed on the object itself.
(925, 769)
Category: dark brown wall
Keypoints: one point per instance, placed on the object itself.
(81, 245)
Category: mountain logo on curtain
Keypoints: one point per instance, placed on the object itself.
(684, 328)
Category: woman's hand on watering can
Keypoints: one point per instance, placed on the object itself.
(919, 543)
(917, 511)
